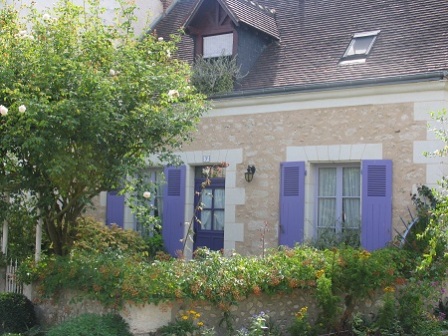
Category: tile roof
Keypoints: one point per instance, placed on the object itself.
(315, 33)
(254, 14)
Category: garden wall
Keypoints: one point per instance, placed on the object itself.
(145, 319)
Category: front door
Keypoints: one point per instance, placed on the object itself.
(209, 226)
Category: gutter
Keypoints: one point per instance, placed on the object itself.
(414, 78)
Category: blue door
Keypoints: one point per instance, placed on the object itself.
(114, 208)
(209, 224)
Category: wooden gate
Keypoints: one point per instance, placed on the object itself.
(12, 285)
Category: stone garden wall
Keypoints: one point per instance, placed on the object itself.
(145, 319)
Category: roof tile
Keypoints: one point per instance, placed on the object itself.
(315, 33)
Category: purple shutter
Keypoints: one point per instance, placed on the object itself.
(114, 208)
(376, 229)
(292, 203)
(173, 209)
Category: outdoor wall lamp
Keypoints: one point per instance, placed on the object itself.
(249, 174)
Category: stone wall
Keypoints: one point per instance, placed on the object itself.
(146, 319)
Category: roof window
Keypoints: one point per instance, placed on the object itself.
(359, 47)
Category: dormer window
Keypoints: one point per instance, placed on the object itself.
(218, 45)
(359, 47)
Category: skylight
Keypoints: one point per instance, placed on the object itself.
(359, 47)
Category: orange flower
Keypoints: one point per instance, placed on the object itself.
(293, 283)
(256, 289)
(400, 281)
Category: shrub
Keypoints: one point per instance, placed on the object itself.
(95, 237)
(216, 75)
(92, 325)
(17, 313)
(301, 325)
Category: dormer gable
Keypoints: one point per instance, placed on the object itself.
(213, 29)
(215, 25)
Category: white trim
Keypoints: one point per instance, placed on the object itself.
(436, 167)
(370, 33)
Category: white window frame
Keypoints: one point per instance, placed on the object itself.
(352, 55)
(217, 45)
(339, 194)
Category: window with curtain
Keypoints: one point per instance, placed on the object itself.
(212, 214)
(218, 45)
(152, 182)
(338, 205)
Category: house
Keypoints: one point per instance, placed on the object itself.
(332, 112)
(147, 11)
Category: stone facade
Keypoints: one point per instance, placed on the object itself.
(265, 139)
(345, 126)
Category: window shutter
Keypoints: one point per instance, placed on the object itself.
(292, 203)
(173, 209)
(114, 208)
(376, 229)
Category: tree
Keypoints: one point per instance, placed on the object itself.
(436, 231)
(83, 104)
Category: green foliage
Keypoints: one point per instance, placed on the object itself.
(327, 300)
(114, 276)
(92, 325)
(21, 231)
(259, 325)
(407, 311)
(425, 201)
(83, 103)
(301, 325)
(16, 313)
(154, 244)
(416, 301)
(215, 75)
(436, 231)
(387, 315)
(187, 324)
(95, 237)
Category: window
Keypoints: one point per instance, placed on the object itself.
(212, 214)
(338, 204)
(146, 221)
(359, 47)
(218, 45)
(337, 191)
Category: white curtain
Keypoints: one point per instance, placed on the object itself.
(213, 202)
(339, 207)
(351, 197)
(327, 198)
(220, 200)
